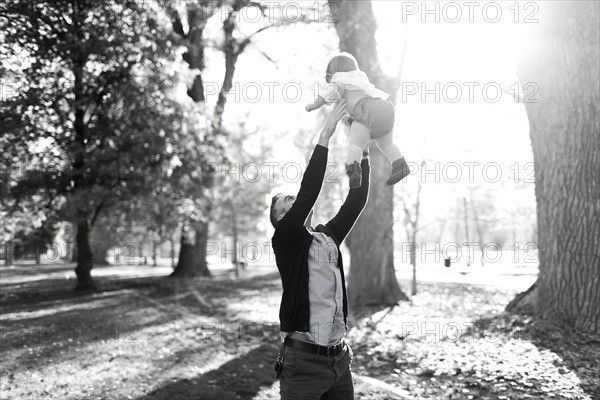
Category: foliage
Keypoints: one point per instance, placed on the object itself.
(95, 99)
(242, 185)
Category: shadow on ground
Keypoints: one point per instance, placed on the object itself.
(55, 318)
(241, 378)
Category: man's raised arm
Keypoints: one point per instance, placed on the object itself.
(292, 222)
(356, 200)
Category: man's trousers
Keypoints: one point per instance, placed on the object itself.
(308, 376)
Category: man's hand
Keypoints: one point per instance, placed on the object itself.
(331, 123)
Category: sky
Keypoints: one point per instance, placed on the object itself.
(461, 57)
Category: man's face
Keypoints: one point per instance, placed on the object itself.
(283, 204)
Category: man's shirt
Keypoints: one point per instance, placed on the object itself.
(325, 294)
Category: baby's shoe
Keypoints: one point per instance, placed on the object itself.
(400, 170)
(354, 172)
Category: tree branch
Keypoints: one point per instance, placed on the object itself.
(97, 211)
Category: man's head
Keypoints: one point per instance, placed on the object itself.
(280, 204)
(343, 62)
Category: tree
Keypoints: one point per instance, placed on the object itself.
(93, 87)
(163, 222)
(34, 240)
(411, 206)
(372, 277)
(242, 197)
(186, 195)
(565, 137)
(194, 233)
(28, 224)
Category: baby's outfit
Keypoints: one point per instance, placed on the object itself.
(374, 111)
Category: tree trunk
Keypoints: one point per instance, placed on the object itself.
(565, 137)
(372, 279)
(10, 254)
(83, 270)
(154, 246)
(413, 261)
(478, 228)
(466, 222)
(192, 254)
(38, 254)
(141, 256)
(172, 241)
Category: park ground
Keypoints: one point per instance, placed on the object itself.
(144, 336)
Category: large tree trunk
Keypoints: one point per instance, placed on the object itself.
(565, 137)
(84, 257)
(372, 278)
(192, 254)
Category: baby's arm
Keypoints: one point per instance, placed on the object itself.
(320, 102)
(330, 93)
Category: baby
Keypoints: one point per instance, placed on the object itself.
(371, 116)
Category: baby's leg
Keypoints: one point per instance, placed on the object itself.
(359, 138)
(400, 168)
(387, 146)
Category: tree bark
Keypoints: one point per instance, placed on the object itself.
(372, 278)
(83, 270)
(565, 137)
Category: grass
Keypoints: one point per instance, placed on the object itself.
(145, 336)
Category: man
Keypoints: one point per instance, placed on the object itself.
(314, 361)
